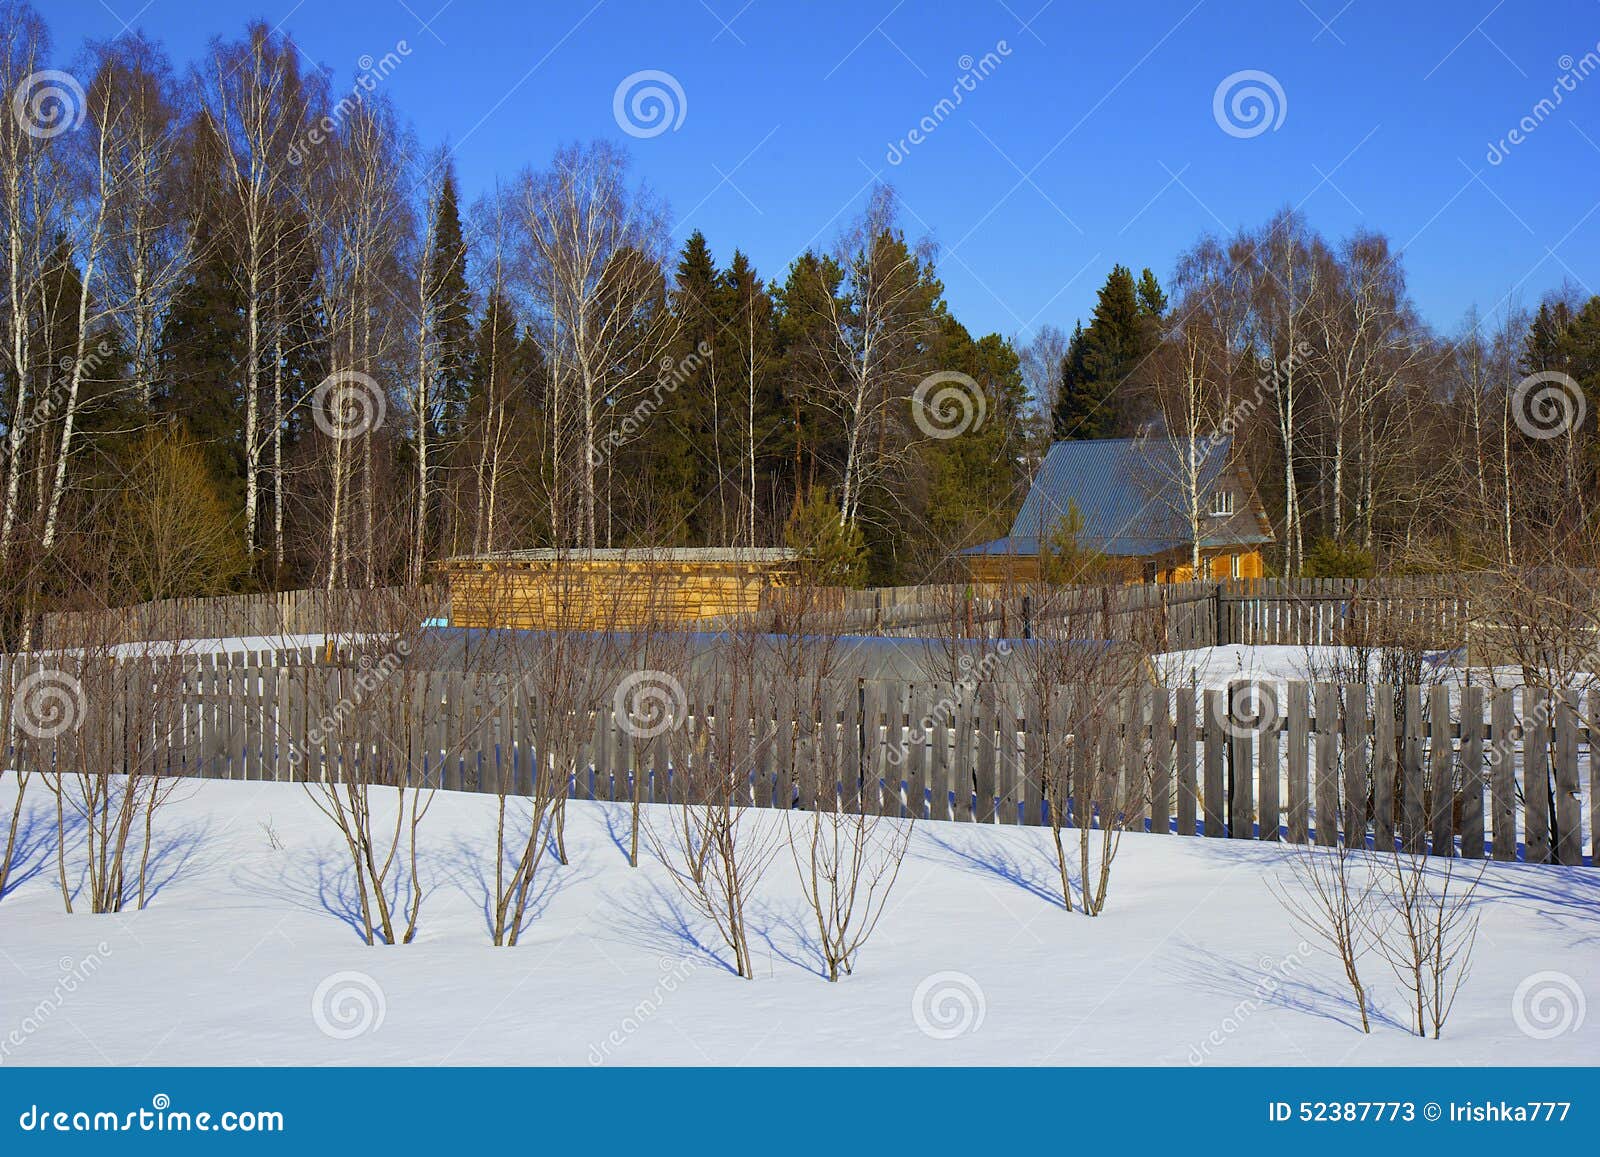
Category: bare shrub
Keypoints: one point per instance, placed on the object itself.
(1332, 899)
(715, 850)
(1426, 928)
(365, 761)
(1088, 773)
(99, 730)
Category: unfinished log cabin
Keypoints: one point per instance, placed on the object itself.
(599, 589)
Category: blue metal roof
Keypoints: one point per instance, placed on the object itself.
(1130, 495)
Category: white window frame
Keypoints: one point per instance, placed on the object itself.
(1222, 503)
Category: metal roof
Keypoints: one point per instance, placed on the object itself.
(1130, 495)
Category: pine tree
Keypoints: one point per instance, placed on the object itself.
(976, 480)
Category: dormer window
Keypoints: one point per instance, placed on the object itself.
(1221, 503)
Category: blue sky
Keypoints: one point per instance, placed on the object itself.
(1093, 139)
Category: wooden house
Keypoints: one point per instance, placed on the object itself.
(1141, 503)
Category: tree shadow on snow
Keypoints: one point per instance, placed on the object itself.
(659, 920)
(323, 880)
(790, 934)
(174, 849)
(619, 827)
(1020, 863)
(470, 867)
(1568, 897)
(1287, 984)
(35, 847)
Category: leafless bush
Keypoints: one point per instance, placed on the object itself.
(100, 731)
(1332, 898)
(714, 849)
(847, 861)
(1088, 774)
(366, 761)
(1426, 928)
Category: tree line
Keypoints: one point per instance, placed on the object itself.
(1376, 443)
(255, 338)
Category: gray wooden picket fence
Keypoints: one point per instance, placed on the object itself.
(1173, 617)
(1469, 771)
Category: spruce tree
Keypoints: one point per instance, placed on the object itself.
(202, 339)
(1106, 362)
(451, 305)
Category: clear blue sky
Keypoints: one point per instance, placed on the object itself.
(1092, 141)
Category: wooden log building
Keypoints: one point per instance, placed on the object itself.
(599, 589)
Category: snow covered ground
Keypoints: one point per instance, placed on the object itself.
(234, 644)
(246, 956)
(1219, 667)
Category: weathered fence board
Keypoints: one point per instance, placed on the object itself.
(1324, 762)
